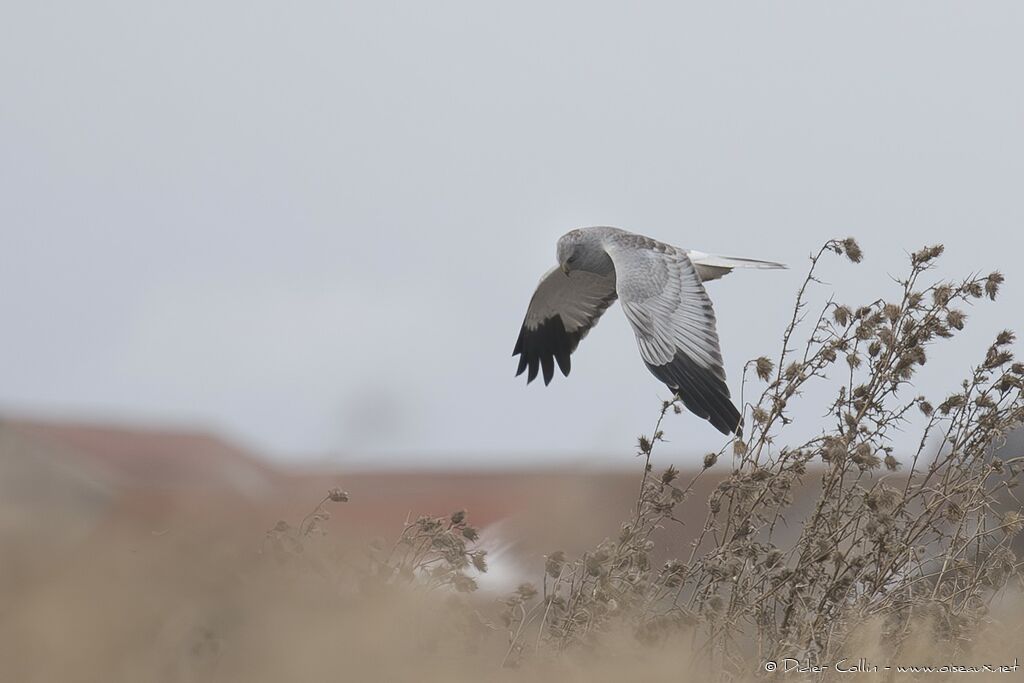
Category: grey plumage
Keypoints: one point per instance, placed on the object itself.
(662, 294)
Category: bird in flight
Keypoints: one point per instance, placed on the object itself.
(662, 294)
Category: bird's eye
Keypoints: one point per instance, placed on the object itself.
(572, 259)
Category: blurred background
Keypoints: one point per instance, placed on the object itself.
(316, 228)
(249, 251)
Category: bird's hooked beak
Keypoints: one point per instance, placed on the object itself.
(565, 267)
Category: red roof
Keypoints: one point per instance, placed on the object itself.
(151, 457)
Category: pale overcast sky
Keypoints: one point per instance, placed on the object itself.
(316, 225)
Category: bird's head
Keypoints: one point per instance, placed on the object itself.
(581, 249)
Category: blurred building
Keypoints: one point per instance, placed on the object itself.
(60, 480)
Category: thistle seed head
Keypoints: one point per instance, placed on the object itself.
(852, 250)
(764, 366)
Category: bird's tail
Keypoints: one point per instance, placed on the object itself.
(713, 266)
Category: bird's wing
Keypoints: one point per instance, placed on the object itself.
(561, 312)
(671, 315)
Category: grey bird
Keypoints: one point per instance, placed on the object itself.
(662, 294)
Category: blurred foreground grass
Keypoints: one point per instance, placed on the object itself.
(204, 600)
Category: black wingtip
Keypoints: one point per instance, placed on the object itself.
(547, 363)
(532, 374)
(542, 347)
(564, 362)
(718, 410)
(522, 366)
(701, 390)
(727, 418)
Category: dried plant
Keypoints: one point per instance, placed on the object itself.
(431, 552)
(435, 551)
(931, 544)
(284, 539)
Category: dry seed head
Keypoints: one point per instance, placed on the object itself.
(834, 451)
(338, 496)
(865, 457)
(841, 315)
(885, 336)
(1013, 522)
(1008, 383)
(955, 319)
(463, 583)
(926, 254)
(888, 497)
(852, 250)
(942, 294)
(994, 358)
(792, 371)
(526, 591)
(764, 367)
(984, 401)
(992, 283)
(710, 459)
(892, 312)
(554, 563)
